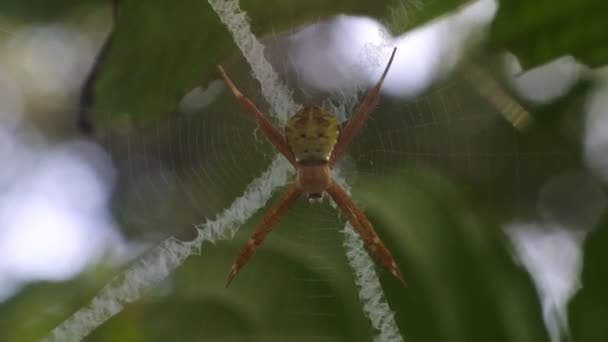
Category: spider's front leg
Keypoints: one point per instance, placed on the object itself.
(263, 228)
(364, 228)
(270, 132)
(358, 119)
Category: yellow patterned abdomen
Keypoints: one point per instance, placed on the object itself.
(312, 134)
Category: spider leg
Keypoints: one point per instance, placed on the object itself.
(364, 228)
(270, 132)
(263, 228)
(359, 117)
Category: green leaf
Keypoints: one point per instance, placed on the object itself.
(40, 9)
(463, 283)
(539, 31)
(589, 308)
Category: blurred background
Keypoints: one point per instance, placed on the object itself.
(483, 168)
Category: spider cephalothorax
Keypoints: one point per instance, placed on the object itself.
(313, 143)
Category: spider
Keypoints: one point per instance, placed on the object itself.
(313, 143)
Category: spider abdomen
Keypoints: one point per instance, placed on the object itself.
(312, 134)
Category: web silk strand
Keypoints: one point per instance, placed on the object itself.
(273, 90)
(373, 301)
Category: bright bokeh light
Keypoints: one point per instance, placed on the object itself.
(569, 206)
(54, 213)
(553, 257)
(546, 82)
(54, 195)
(50, 60)
(347, 53)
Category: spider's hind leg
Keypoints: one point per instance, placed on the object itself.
(263, 228)
(364, 228)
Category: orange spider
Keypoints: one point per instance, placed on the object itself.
(313, 143)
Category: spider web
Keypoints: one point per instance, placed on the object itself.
(197, 164)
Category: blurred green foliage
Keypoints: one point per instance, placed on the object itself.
(464, 284)
(541, 30)
(41, 10)
(589, 307)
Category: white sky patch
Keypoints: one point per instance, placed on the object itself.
(553, 257)
(546, 82)
(348, 53)
(569, 205)
(416, 62)
(462, 29)
(335, 55)
(54, 216)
